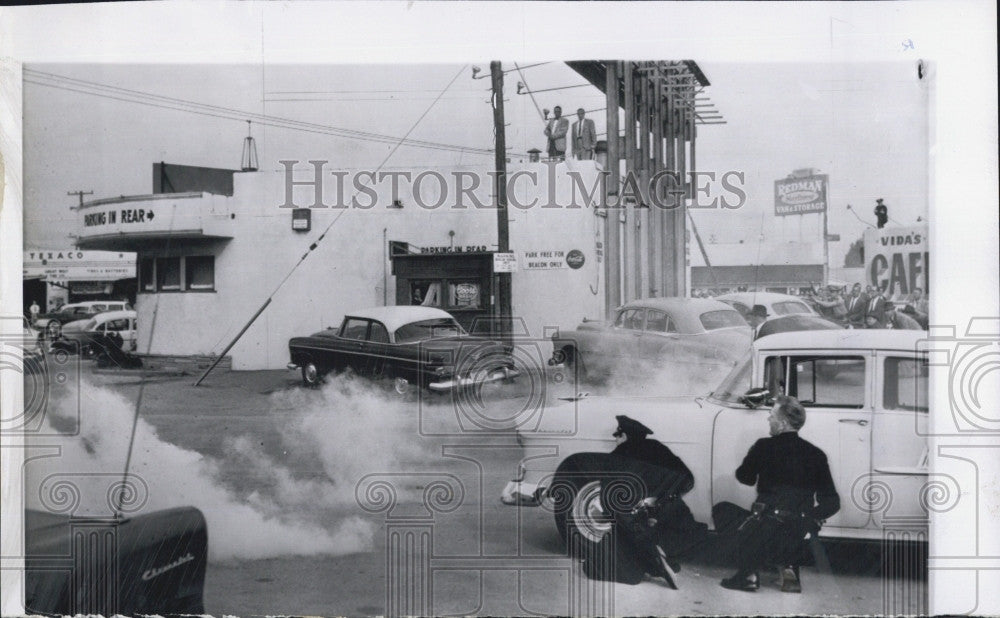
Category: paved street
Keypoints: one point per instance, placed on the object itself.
(353, 500)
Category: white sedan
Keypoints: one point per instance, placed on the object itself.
(865, 393)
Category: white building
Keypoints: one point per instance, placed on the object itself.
(208, 261)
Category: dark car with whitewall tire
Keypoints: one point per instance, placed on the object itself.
(413, 346)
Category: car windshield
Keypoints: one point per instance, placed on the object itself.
(736, 383)
(428, 329)
(721, 318)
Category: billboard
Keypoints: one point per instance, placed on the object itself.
(898, 257)
(800, 195)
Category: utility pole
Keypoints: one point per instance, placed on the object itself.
(80, 194)
(503, 236)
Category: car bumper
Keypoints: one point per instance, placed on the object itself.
(292, 366)
(452, 383)
(521, 493)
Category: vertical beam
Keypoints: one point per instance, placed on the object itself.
(682, 170)
(612, 236)
(646, 232)
(629, 156)
(669, 163)
(656, 210)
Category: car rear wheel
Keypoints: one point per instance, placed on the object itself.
(310, 375)
(574, 362)
(401, 385)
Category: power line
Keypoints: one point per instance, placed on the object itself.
(42, 78)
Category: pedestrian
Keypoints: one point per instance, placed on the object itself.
(894, 318)
(33, 311)
(584, 136)
(758, 315)
(919, 302)
(830, 304)
(857, 304)
(875, 312)
(795, 495)
(556, 129)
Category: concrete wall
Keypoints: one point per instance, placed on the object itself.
(350, 270)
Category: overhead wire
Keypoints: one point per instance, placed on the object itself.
(62, 82)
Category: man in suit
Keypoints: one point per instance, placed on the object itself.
(857, 305)
(584, 137)
(556, 129)
(875, 312)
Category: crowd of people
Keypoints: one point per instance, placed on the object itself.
(871, 308)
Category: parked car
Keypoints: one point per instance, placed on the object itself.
(645, 335)
(411, 345)
(796, 321)
(776, 304)
(51, 323)
(865, 393)
(99, 332)
(146, 564)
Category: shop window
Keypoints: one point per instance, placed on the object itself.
(168, 274)
(199, 272)
(429, 293)
(147, 277)
(464, 295)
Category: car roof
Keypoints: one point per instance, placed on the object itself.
(760, 298)
(863, 339)
(105, 316)
(395, 316)
(685, 312)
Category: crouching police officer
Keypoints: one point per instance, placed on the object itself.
(795, 494)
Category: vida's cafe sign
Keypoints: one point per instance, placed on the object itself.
(898, 257)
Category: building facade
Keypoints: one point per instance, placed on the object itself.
(315, 243)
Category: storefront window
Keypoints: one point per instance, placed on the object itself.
(147, 278)
(426, 293)
(199, 272)
(168, 274)
(464, 295)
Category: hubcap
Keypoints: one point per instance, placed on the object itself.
(310, 373)
(588, 514)
(401, 385)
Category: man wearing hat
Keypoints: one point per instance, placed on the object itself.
(662, 523)
(795, 495)
(758, 315)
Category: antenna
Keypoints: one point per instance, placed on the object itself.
(248, 162)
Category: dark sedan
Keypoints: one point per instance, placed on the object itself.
(406, 344)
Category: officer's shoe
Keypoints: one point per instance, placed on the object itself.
(747, 582)
(790, 579)
(668, 569)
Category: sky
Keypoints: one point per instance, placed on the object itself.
(864, 124)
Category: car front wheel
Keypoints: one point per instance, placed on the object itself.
(580, 517)
(310, 375)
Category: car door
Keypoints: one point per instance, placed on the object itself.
(621, 345)
(660, 337)
(377, 349)
(351, 344)
(899, 436)
(834, 389)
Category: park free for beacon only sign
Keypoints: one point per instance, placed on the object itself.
(801, 195)
(898, 258)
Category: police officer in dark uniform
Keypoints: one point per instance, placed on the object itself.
(795, 494)
(661, 524)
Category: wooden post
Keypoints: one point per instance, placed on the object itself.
(612, 236)
(503, 239)
(656, 210)
(669, 163)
